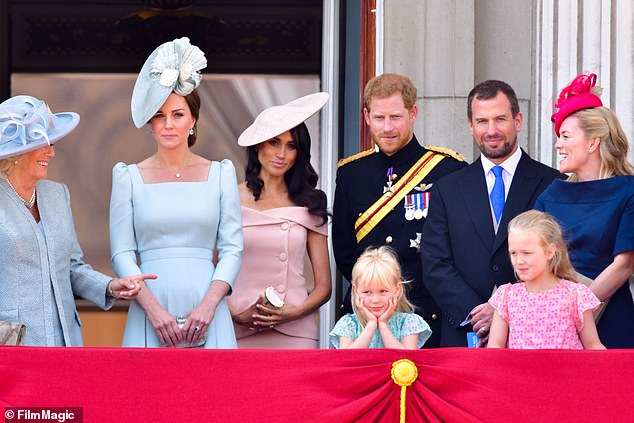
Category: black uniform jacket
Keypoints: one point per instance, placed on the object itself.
(359, 184)
(463, 258)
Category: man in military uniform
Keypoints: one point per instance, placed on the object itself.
(382, 196)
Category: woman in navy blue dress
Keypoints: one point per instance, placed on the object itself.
(596, 204)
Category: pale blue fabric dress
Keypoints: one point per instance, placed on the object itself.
(401, 325)
(174, 227)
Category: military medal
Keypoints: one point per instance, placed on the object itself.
(415, 243)
(418, 206)
(389, 189)
(426, 196)
(409, 206)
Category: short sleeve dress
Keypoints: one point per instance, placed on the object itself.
(598, 222)
(174, 227)
(401, 325)
(274, 255)
(550, 319)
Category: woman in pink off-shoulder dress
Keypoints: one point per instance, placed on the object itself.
(283, 217)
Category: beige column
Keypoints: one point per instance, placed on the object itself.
(574, 36)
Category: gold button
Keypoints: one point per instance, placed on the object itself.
(394, 176)
(434, 316)
(388, 239)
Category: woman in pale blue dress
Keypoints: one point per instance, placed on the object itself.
(173, 209)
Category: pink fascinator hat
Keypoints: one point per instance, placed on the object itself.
(576, 96)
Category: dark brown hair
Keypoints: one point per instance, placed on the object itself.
(193, 101)
(301, 179)
(489, 89)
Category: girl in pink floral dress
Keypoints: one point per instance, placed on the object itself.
(546, 308)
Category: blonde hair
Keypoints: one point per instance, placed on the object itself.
(549, 232)
(385, 85)
(379, 265)
(7, 165)
(602, 123)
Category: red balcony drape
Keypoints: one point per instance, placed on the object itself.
(453, 385)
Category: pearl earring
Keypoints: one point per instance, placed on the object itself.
(191, 131)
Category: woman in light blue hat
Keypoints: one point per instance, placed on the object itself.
(172, 210)
(42, 264)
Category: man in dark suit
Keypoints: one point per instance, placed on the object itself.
(381, 196)
(464, 249)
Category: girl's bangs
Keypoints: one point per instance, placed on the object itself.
(383, 277)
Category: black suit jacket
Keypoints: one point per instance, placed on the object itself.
(463, 258)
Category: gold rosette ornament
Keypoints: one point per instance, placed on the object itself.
(404, 373)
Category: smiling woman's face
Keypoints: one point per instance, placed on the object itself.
(33, 166)
(573, 146)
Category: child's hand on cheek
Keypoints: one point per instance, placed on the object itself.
(389, 311)
(363, 310)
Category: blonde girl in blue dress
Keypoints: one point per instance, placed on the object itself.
(383, 316)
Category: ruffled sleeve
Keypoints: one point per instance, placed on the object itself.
(415, 324)
(123, 244)
(499, 300)
(584, 300)
(347, 326)
(230, 241)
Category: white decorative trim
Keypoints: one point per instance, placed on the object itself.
(328, 148)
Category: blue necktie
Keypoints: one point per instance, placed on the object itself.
(497, 193)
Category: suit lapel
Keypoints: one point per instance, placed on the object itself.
(524, 184)
(476, 201)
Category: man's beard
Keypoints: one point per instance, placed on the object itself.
(504, 151)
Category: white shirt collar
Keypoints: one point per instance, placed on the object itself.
(509, 165)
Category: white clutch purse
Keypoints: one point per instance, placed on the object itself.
(270, 298)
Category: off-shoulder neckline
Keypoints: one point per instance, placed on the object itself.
(274, 208)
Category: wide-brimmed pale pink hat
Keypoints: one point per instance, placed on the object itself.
(276, 120)
(576, 96)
